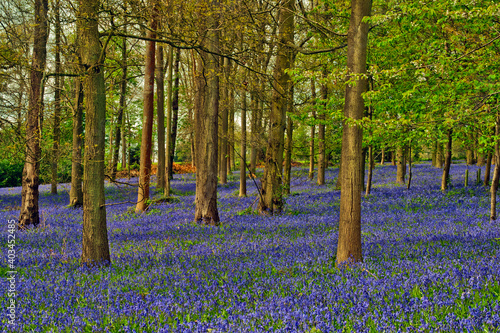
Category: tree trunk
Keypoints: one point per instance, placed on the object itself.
(95, 248)
(271, 201)
(243, 152)
(447, 163)
(30, 181)
(231, 163)
(370, 171)
(496, 173)
(382, 158)
(170, 72)
(76, 193)
(321, 137)
(57, 102)
(487, 171)
(349, 243)
(288, 155)
(147, 120)
(175, 113)
(207, 114)
(401, 165)
(224, 127)
(160, 113)
(409, 169)
(120, 119)
(254, 132)
(313, 132)
(439, 156)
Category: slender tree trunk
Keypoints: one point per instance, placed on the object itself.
(271, 200)
(160, 112)
(231, 163)
(224, 127)
(401, 165)
(370, 170)
(409, 169)
(496, 173)
(30, 181)
(349, 243)
(487, 171)
(288, 155)
(243, 152)
(57, 102)
(175, 112)
(382, 158)
(254, 132)
(170, 96)
(447, 163)
(321, 138)
(393, 158)
(95, 248)
(313, 132)
(207, 114)
(76, 192)
(439, 156)
(147, 130)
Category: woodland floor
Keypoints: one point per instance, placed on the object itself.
(431, 262)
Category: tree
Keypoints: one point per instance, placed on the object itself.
(95, 248)
(271, 200)
(30, 180)
(206, 118)
(147, 131)
(243, 151)
(349, 244)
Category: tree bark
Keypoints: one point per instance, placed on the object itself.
(231, 163)
(487, 171)
(271, 200)
(160, 113)
(288, 155)
(170, 72)
(496, 173)
(313, 132)
(401, 165)
(321, 137)
(349, 243)
(447, 163)
(95, 248)
(207, 114)
(382, 158)
(370, 171)
(29, 214)
(243, 152)
(254, 131)
(76, 191)
(175, 113)
(57, 101)
(147, 130)
(224, 127)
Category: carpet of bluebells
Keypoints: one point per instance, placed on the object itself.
(431, 262)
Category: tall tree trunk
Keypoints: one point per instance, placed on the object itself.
(30, 181)
(147, 130)
(95, 248)
(410, 173)
(447, 163)
(57, 102)
(243, 152)
(370, 170)
(207, 125)
(313, 132)
(170, 85)
(321, 137)
(160, 113)
(76, 191)
(271, 200)
(439, 156)
(382, 158)
(175, 112)
(349, 243)
(487, 171)
(231, 163)
(288, 155)
(401, 165)
(496, 173)
(254, 131)
(224, 127)
(393, 158)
